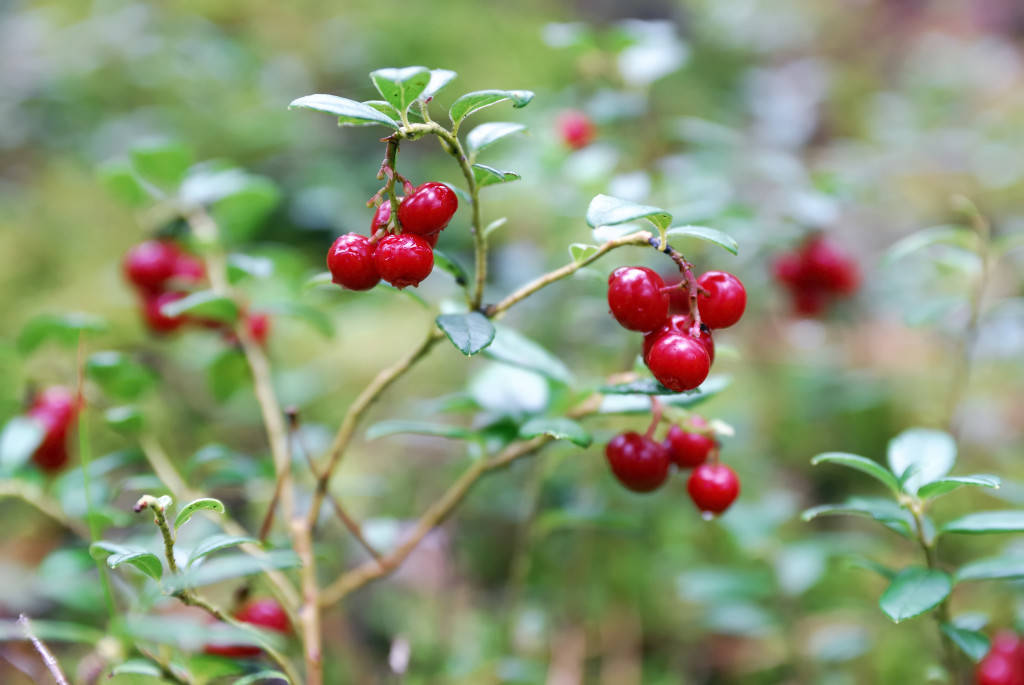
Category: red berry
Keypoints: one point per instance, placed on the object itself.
(403, 259)
(998, 668)
(682, 324)
(258, 326)
(679, 362)
(639, 464)
(350, 261)
(1006, 642)
(152, 312)
(825, 265)
(150, 264)
(713, 487)
(55, 408)
(788, 269)
(428, 209)
(689, 449)
(264, 613)
(636, 299)
(189, 268)
(725, 300)
(381, 217)
(576, 129)
(678, 297)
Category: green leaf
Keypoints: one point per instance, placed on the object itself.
(398, 427)
(972, 643)
(487, 134)
(385, 108)
(641, 386)
(494, 226)
(19, 440)
(957, 236)
(558, 428)
(349, 112)
(204, 304)
(118, 177)
(711, 235)
(119, 375)
(448, 264)
(489, 176)
(921, 455)
(951, 483)
(64, 329)
(439, 78)
(512, 347)
(227, 373)
(163, 162)
(885, 511)
(147, 562)
(51, 631)
(1005, 567)
(985, 522)
(914, 591)
(862, 464)
(581, 251)
(242, 265)
(261, 675)
(469, 332)
(401, 87)
(605, 210)
(640, 403)
(215, 543)
(477, 100)
(136, 667)
(228, 566)
(201, 504)
(127, 420)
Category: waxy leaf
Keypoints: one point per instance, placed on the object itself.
(62, 328)
(469, 332)
(957, 236)
(401, 87)
(127, 420)
(558, 428)
(201, 504)
(398, 427)
(972, 643)
(914, 591)
(349, 112)
(711, 235)
(145, 561)
(885, 511)
(947, 485)
(477, 100)
(921, 455)
(204, 304)
(640, 403)
(439, 78)
(136, 667)
(986, 522)
(642, 386)
(120, 180)
(581, 251)
(443, 261)
(1006, 567)
(119, 375)
(19, 439)
(487, 134)
(489, 176)
(163, 163)
(215, 543)
(605, 210)
(862, 464)
(512, 347)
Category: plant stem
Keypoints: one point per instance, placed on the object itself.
(692, 287)
(45, 654)
(949, 651)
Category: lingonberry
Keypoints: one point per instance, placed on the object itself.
(1007, 642)
(998, 668)
(258, 327)
(678, 294)
(724, 301)
(55, 409)
(381, 217)
(350, 261)
(682, 324)
(679, 362)
(689, 449)
(403, 259)
(428, 209)
(826, 266)
(264, 613)
(713, 487)
(636, 298)
(150, 264)
(152, 312)
(576, 129)
(808, 301)
(788, 269)
(188, 268)
(639, 464)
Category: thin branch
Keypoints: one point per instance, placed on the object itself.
(949, 650)
(45, 654)
(32, 494)
(309, 612)
(167, 670)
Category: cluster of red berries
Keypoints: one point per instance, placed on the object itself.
(575, 129)
(262, 613)
(1004, 663)
(677, 352)
(815, 274)
(642, 464)
(358, 262)
(55, 408)
(163, 273)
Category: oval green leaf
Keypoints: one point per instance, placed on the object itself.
(120, 180)
(439, 78)
(885, 511)
(972, 643)
(862, 464)
(512, 347)
(119, 375)
(401, 87)
(448, 264)
(605, 210)
(62, 328)
(987, 522)
(398, 427)
(470, 332)
(479, 99)
(489, 176)
(215, 543)
(147, 562)
(921, 455)
(914, 591)
(1006, 567)
(711, 235)
(162, 162)
(957, 236)
(349, 112)
(19, 439)
(127, 420)
(204, 304)
(487, 134)
(640, 403)
(201, 504)
(947, 485)
(559, 428)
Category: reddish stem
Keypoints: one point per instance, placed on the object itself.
(689, 281)
(656, 411)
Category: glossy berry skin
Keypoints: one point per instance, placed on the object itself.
(350, 261)
(258, 326)
(150, 264)
(689, 449)
(264, 613)
(725, 300)
(153, 315)
(428, 209)
(636, 299)
(998, 668)
(403, 259)
(681, 324)
(381, 217)
(679, 362)
(640, 464)
(576, 129)
(55, 409)
(713, 487)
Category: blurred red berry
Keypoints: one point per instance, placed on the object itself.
(575, 129)
(55, 408)
(264, 613)
(150, 264)
(258, 326)
(156, 320)
(689, 449)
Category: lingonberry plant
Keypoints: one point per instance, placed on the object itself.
(189, 276)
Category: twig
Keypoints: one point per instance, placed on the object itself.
(949, 652)
(45, 654)
(167, 670)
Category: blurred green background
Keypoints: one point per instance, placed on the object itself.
(765, 119)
